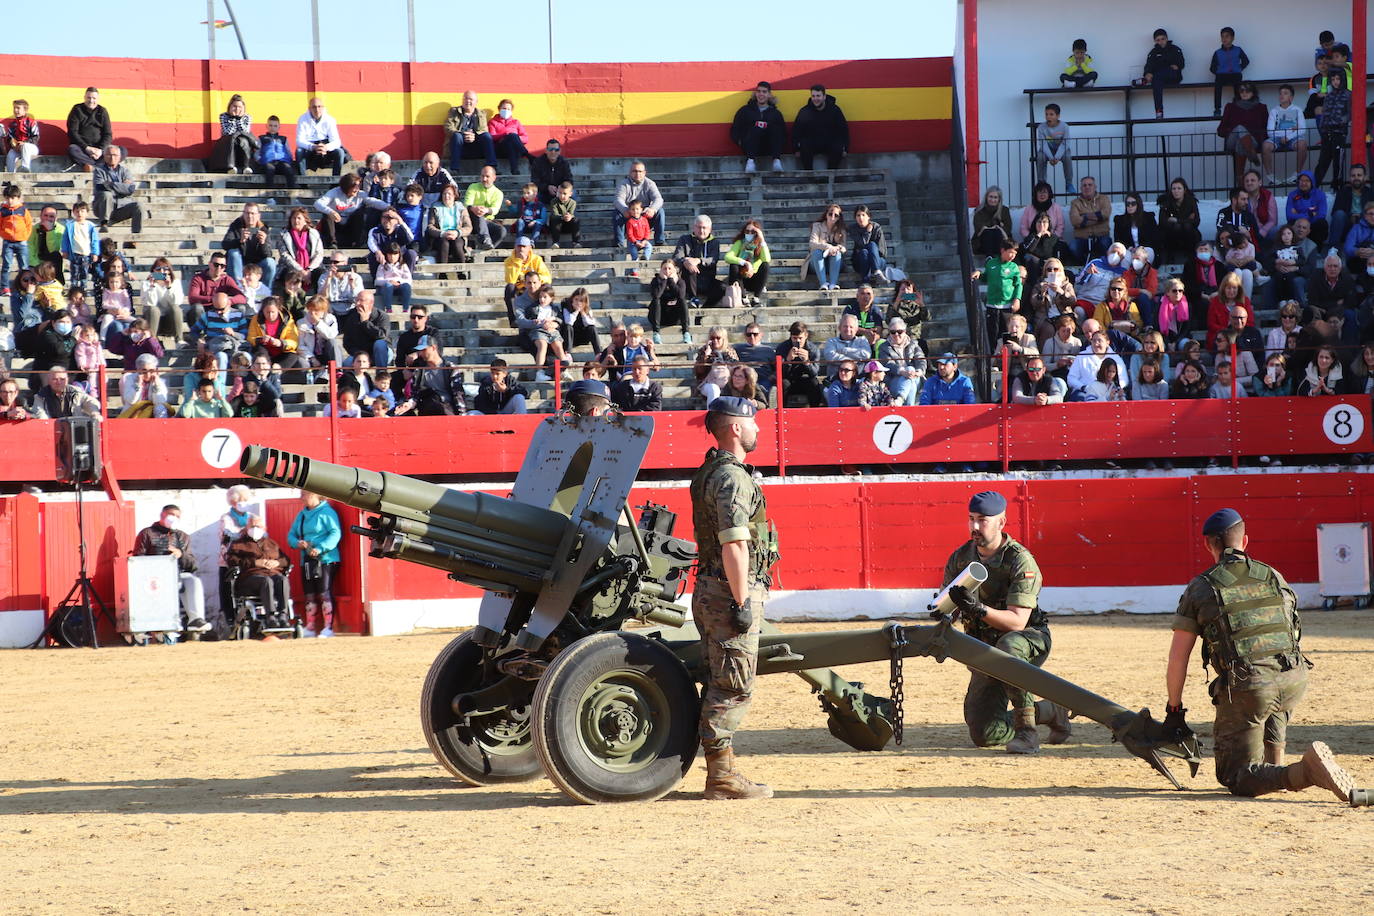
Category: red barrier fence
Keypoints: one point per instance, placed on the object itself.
(176, 449)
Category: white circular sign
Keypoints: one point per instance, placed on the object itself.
(892, 434)
(1343, 424)
(221, 448)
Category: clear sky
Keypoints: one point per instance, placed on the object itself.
(584, 30)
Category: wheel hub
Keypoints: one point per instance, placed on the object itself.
(617, 722)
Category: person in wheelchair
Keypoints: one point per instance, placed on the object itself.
(165, 537)
(258, 567)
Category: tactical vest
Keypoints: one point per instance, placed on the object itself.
(1251, 622)
(763, 547)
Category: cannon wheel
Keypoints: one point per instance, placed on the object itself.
(615, 719)
(487, 749)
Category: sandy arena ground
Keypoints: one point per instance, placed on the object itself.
(292, 777)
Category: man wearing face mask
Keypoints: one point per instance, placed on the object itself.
(165, 537)
(262, 566)
(54, 346)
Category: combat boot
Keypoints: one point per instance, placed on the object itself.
(1319, 768)
(1027, 739)
(723, 781)
(1057, 718)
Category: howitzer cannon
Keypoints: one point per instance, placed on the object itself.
(551, 680)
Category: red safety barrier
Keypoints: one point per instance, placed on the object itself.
(179, 449)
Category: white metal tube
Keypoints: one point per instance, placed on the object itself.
(972, 578)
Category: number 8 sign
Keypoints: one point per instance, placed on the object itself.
(1343, 424)
(221, 448)
(892, 435)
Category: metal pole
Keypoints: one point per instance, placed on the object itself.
(1359, 18)
(410, 28)
(238, 33)
(315, 29)
(210, 25)
(550, 31)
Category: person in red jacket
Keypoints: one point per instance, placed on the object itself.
(214, 279)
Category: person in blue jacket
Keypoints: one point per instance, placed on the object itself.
(949, 386)
(315, 533)
(274, 155)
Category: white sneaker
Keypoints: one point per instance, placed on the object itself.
(777, 165)
(326, 632)
(426, 261)
(687, 337)
(542, 376)
(749, 166)
(307, 634)
(246, 170)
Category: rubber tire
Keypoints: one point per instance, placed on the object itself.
(456, 746)
(558, 714)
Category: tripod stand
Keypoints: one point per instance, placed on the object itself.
(82, 599)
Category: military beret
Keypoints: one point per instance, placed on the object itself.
(733, 407)
(589, 386)
(988, 502)
(1220, 520)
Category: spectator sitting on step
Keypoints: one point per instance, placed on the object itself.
(1276, 339)
(613, 358)
(1142, 283)
(162, 302)
(432, 178)
(236, 148)
(579, 323)
(905, 361)
(468, 136)
(1097, 275)
(221, 331)
(1107, 385)
(1083, 372)
(393, 280)
(711, 367)
(1322, 377)
(1244, 128)
(260, 370)
(541, 326)
(247, 241)
(355, 373)
(419, 332)
(1042, 201)
(1035, 386)
(827, 247)
(1230, 296)
(137, 340)
(89, 357)
(45, 244)
(274, 156)
(1236, 215)
(820, 127)
(1307, 201)
(346, 405)
(991, 225)
(1061, 347)
(526, 297)
(800, 365)
(909, 304)
(551, 171)
(1118, 311)
(748, 257)
(1262, 204)
(759, 129)
(484, 201)
(366, 328)
(413, 213)
(449, 228)
(1151, 348)
(12, 404)
(59, 398)
(384, 194)
(1136, 228)
(433, 388)
(639, 245)
(1090, 216)
(1220, 389)
(636, 391)
(343, 213)
(637, 186)
(697, 255)
(497, 394)
(274, 336)
(873, 387)
(318, 144)
(562, 216)
(113, 189)
(869, 315)
(318, 340)
(668, 301)
(870, 247)
(843, 389)
(1245, 364)
(142, 390)
(116, 306)
(47, 292)
(20, 134)
(949, 385)
(1016, 342)
(340, 283)
(847, 343)
(1037, 247)
(531, 216)
(1191, 384)
(55, 344)
(206, 404)
(1147, 383)
(391, 231)
(299, 246)
(744, 383)
(1052, 295)
(1359, 242)
(1331, 292)
(1274, 381)
(508, 135)
(522, 260)
(382, 394)
(203, 367)
(255, 401)
(1350, 201)
(89, 130)
(758, 354)
(254, 290)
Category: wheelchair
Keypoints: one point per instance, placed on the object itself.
(250, 619)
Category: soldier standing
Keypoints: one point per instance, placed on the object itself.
(1006, 613)
(1247, 617)
(735, 551)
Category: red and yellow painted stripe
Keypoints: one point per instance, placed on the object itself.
(171, 107)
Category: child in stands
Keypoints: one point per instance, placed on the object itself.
(1078, 71)
(1228, 63)
(412, 212)
(530, 214)
(638, 236)
(1052, 147)
(393, 280)
(89, 358)
(81, 244)
(1287, 130)
(20, 134)
(16, 225)
(274, 155)
(563, 216)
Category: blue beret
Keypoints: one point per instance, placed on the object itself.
(733, 407)
(1220, 520)
(989, 502)
(589, 386)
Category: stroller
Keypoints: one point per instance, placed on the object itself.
(250, 619)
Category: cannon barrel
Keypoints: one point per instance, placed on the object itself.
(405, 497)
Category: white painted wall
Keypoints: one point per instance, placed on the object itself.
(1024, 46)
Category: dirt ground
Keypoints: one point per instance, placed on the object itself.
(292, 777)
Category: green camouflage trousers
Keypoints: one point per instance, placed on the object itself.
(730, 658)
(985, 704)
(1250, 718)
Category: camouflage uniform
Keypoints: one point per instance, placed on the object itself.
(727, 505)
(1013, 578)
(1261, 671)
